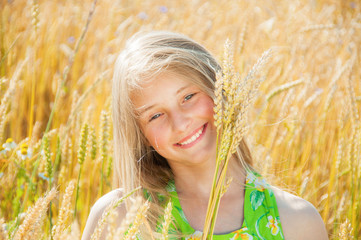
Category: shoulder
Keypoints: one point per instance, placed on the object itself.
(299, 218)
(97, 210)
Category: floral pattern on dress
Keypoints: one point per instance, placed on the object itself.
(261, 217)
(258, 185)
(259, 182)
(242, 234)
(273, 225)
(197, 235)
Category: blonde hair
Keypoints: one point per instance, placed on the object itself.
(146, 55)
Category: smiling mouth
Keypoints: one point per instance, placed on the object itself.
(192, 139)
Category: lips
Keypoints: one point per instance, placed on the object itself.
(193, 138)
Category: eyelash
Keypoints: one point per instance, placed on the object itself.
(155, 116)
(189, 96)
(186, 98)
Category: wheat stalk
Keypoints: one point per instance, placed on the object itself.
(81, 158)
(218, 101)
(129, 217)
(36, 133)
(76, 106)
(346, 230)
(64, 213)
(138, 220)
(31, 225)
(50, 134)
(239, 94)
(60, 87)
(317, 27)
(242, 37)
(101, 223)
(7, 52)
(167, 220)
(93, 143)
(75, 231)
(283, 87)
(5, 100)
(333, 84)
(47, 156)
(104, 142)
(112, 225)
(3, 232)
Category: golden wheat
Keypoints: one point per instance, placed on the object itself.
(65, 211)
(3, 232)
(31, 226)
(167, 220)
(58, 56)
(346, 230)
(129, 218)
(138, 220)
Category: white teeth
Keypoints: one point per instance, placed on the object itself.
(193, 138)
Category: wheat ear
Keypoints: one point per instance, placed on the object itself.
(139, 219)
(167, 220)
(81, 158)
(5, 100)
(101, 223)
(32, 223)
(239, 94)
(129, 217)
(104, 142)
(112, 225)
(283, 87)
(346, 230)
(64, 212)
(3, 232)
(317, 27)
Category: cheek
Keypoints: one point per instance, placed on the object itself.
(156, 136)
(206, 107)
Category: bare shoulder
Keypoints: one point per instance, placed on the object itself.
(299, 218)
(97, 210)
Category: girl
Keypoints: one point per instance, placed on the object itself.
(165, 142)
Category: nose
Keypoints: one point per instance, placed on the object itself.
(180, 120)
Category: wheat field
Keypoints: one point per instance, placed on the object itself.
(55, 115)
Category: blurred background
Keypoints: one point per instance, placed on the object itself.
(55, 88)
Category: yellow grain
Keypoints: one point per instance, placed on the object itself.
(167, 220)
(138, 220)
(129, 218)
(346, 231)
(318, 27)
(65, 213)
(3, 232)
(284, 87)
(32, 223)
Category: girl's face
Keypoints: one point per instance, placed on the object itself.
(176, 117)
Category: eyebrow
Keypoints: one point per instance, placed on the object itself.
(141, 110)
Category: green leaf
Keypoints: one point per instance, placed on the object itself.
(256, 198)
(258, 227)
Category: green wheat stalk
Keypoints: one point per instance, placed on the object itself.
(81, 158)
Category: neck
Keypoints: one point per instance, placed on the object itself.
(198, 180)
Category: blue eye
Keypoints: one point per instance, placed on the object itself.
(189, 96)
(155, 116)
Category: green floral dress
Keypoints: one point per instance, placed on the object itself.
(261, 217)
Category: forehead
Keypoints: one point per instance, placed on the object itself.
(160, 88)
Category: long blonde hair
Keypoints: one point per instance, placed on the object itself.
(146, 55)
